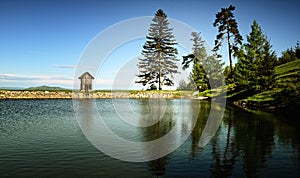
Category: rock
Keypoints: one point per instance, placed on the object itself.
(69, 95)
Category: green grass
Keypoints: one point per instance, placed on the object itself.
(214, 92)
(186, 93)
(287, 68)
(269, 95)
(288, 76)
(286, 90)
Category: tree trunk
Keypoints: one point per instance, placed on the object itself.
(229, 53)
(159, 82)
(159, 77)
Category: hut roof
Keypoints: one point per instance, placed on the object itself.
(86, 73)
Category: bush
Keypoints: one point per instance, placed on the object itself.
(152, 87)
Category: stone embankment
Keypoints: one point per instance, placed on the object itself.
(5, 94)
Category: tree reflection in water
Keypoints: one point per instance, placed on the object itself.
(248, 140)
(163, 125)
(246, 144)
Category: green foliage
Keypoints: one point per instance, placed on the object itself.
(298, 50)
(190, 86)
(206, 93)
(227, 26)
(213, 92)
(266, 71)
(256, 61)
(200, 77)
(159, 54)
(182, 85)
(199, 51)
(207, 70)
(227, 75)
(285, 93)
(214, 71)
(152, 87)
(197, 58)
(289, 55)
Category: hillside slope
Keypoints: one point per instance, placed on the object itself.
(284, 96)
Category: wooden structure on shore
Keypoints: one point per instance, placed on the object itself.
(86, 82)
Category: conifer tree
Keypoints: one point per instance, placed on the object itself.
(214, 70)
(158, 63)
(287, 56)
(197, 58)
(227, 74)
(227, 29)
(266, 67)
(290, 54)
(297, 50)
(207, 70)
(256, 61)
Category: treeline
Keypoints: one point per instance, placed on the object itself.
(256, 60)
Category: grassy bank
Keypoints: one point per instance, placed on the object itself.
(284, 96)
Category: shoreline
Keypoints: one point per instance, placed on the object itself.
(25, 94)
(39, 94)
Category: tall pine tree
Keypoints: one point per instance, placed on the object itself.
(266, 67)
(227, 28)
(159, 54)
(256, 61)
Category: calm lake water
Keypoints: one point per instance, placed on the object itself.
(45, 138)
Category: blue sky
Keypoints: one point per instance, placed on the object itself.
(41, 42)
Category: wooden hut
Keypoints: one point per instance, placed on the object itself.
(86, 81)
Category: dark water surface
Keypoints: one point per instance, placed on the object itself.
(43, 138)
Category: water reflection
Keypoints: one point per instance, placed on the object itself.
(194, 123)
(158, 130)
(159, 139)
(42, 137)
(224, 154)
(255, 137)
(246, 144)
(196, 132)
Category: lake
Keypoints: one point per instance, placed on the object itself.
(63, 138)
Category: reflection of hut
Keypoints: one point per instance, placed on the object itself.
(86, 81)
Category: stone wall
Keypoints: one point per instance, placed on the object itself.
(4, 94)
